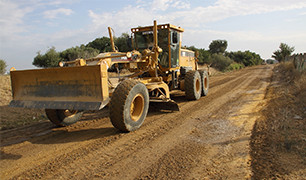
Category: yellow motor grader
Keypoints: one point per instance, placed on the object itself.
(157, 65)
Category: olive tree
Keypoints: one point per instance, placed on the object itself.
(218, 46)
(283, 51)
(50, 59)
(2, 66)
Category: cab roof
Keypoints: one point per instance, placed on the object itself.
(161, 26)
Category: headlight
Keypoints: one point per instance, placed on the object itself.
(128, 55)
(61, 64)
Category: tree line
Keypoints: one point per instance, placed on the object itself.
(219, 58)
(216, 55)
(52, 57)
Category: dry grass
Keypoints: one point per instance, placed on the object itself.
(5, 90)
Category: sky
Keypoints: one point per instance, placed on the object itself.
(31, 26)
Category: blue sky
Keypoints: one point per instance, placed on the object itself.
(29, 26)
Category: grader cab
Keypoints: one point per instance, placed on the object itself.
(157, 65)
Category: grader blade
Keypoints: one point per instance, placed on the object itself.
(75, 88)
(169, 105)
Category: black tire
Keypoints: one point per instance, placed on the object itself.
(129, 105)
(205, 82)
(193, 85)
(61, 117)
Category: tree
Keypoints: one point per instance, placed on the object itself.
(102, 44)
(122, 43)
(218, 46)
(50, 59)
(192, 48)
(78, 52)
(2, 66)
(283, 51)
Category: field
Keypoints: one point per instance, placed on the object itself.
(250, 126)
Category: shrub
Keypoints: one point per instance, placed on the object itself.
(2, 66)
(247, 58)
(221, 62)
(234, 66)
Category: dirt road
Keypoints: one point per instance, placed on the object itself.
(206, 139)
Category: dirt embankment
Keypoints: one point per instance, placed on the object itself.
(207, 139)
(278, 145)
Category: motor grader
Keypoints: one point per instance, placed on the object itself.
(157, 65)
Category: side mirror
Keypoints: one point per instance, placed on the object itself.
(174, 37)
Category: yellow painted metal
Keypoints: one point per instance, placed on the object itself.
(198, 85)
(111, 39)
(162, 26)
(187, 58)
(80, 87)
(137, 107)
(161, 87)
(147, 80)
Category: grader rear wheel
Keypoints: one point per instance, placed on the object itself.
(205, 82)
(129, 105)
(193, 85)
(61, 117)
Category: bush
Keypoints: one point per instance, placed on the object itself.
(234, 66)
(2, 66)
(204, 55)
(221, 62)
(247, 58)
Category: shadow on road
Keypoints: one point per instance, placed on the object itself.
(9, 156)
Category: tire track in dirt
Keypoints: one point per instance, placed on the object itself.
(61, 136)
(120, 157)
(183, 161)
(94, 162)
(105, 153)
(44, 148)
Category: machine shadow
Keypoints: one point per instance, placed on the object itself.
(47, 133)
(62, 136)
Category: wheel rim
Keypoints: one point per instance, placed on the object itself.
(70, 113)
(205, 83)
(198, 85)
(137, 107)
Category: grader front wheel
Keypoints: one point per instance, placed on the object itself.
(129, 105)
(63, 117)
